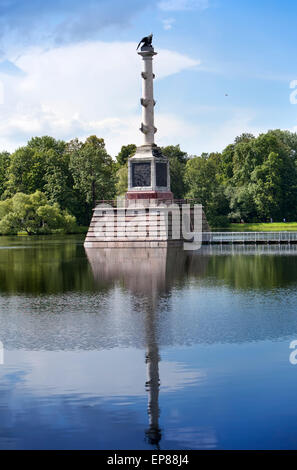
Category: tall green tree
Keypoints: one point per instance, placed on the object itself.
(93, 169)
(26, 171)
(245, 137)
(122, 180)
(177, 161)
(4, 165)
(125, 153)
(268, 187)
(31, 168)
(202, 179)
(275, 188)
(57, 179)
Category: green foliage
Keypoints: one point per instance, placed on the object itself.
(266, 227)
(122, 180)
(241, 203)
(47, 143)
(25, 172)
(4, 164)
(252, 180)
(58, 179)
(44, 164)
(245, 137)
(177, 164)
(33, 214)
(93, 170)
(202, 177)
(260, 177)
(125, 153)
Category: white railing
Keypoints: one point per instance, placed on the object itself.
(246, 237)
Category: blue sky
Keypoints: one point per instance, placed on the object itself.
(69, 69)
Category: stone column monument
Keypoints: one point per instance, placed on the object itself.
(147, 101)
(148, 169)
(147, 217)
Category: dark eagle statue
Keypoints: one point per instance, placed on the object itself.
(147, 41)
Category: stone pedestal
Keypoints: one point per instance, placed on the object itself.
(148, 174)
(142, 223)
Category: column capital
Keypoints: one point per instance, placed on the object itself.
(147, 53)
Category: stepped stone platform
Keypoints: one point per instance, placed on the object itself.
(143, 223)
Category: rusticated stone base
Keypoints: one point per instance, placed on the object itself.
(146, 223)
(134, 244)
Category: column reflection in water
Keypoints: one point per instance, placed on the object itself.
(148, 274)
(152, 358)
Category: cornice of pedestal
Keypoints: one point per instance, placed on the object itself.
(148, 152)
(147, 52)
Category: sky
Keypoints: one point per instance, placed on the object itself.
(70, 69)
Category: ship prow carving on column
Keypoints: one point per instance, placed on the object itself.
(149, 203)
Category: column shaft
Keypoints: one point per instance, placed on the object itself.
(148, 100)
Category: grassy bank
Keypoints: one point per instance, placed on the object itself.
(262, 227)
(77, 230)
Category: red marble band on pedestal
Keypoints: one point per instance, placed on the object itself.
(149, 195)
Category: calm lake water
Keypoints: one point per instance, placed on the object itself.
(142, 349)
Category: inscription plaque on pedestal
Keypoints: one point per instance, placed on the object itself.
(161, 174)
(141, 174)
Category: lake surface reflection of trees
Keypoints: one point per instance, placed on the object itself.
(252, 267)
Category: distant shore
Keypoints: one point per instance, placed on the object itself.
(261, 227)
(252, 227)
(78, 230)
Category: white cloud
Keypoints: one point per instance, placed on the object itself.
(81, 89)
(98, 373)
(167, 23)
(214, 138)
(95, 88)
(180, 5)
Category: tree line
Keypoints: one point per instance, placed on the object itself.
(251, 180)
(50, 184)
